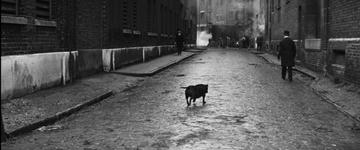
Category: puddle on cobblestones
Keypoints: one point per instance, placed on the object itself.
(255, 65)
(323, 92)
(55, 127)
(356, 129)
(160, 144)
(323, 129)
(166, 91)
(130, 88)
(232, 119)
(189, 136)
(180, 75)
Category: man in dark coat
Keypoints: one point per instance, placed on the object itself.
(179, 41)
(287, 54)
(247, 42)
(259, 42)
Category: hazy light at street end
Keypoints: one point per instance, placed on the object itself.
(203, 38)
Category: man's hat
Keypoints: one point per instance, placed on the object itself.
(286, 32)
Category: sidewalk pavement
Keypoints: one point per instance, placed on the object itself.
(344, 96)
(195, 50)
(45, 107)
(153, 66)
(273, 59)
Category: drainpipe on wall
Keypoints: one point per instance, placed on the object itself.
(68, 41)
(71, 38)
(270, 24)
(326, 35)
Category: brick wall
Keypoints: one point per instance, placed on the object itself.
(352, 63)
(90, 21)
(19, 39)
(298, 17)
(14, 39)
(22, 39)
(344, 18)
(92, 24)
(334, 23)
(343, 32)
(25, 32)
(153, 20)
(314, 60)
(284, 17)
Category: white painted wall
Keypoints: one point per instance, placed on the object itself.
(23, 74)
(313, 44)
(107, 59)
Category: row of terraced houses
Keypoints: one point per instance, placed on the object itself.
(51, 42)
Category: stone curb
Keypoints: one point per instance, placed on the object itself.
(194, 51)
(314, 77)
(322, 96)
(201, 48)
(325, 98)
(59, 115)
(157, 70)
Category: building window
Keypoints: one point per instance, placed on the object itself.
(148, 15)
(134, 14)
(163, 19)
(151, 16)
(167, 15)
(125, 16)
(154, 16)
(10, 7)
(43, 9)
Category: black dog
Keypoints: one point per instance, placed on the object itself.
(194, 92)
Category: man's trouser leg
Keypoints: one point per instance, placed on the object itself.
(179, 50)
(283, 72)
(289, 69)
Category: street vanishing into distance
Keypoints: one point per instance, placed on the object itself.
(248, 106)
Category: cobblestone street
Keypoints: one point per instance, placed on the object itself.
(248, 106)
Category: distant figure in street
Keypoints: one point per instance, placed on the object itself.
(179, 41)
(243, 42)
(247, 42)
(220, 42)
(287, 54)
(259, 42)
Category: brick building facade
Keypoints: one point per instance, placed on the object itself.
(46, 43)
(326, 33)
(28, 26)
(33, 26)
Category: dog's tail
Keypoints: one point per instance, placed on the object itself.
(183, 87)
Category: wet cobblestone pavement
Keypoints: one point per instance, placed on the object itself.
(248, 106)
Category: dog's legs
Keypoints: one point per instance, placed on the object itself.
(204, 100)
(194, 100)
(187, 101)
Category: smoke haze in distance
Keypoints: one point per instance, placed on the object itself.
(203, 38)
